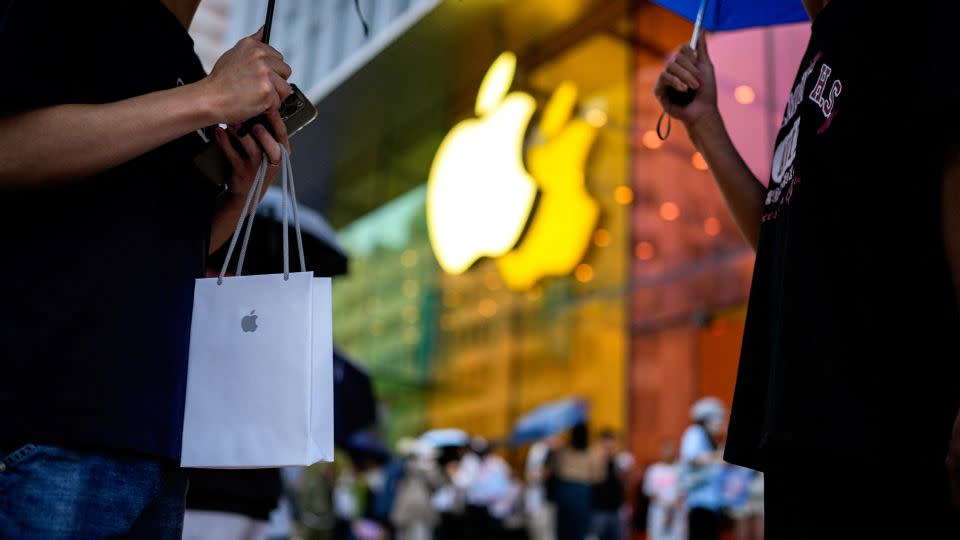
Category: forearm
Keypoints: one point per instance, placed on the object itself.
(743, 192)
(68, 142)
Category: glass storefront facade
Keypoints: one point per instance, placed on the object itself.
(650, 316)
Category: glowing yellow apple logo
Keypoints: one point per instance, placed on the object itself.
(566, 215)
(479, 195)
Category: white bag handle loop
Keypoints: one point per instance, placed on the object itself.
(250, 210)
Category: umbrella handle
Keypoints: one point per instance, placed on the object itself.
(676, 97)
(681, 99)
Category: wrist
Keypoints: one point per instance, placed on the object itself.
(707, 126)
(208, 103)
(232, 203)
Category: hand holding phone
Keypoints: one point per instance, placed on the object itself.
(248, 79)
(296, 112)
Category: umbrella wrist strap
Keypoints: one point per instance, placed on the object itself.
(249, 210)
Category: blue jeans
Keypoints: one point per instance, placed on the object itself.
(55, 493)
(607, 525)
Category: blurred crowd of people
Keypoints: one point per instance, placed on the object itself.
(568, 489)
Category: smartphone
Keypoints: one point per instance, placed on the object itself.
(297, 111)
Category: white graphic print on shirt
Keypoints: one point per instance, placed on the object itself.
(783, 176)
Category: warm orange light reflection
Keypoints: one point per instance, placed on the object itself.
(744, 95)
(584, 273)
(645, 251)
(712, 226)
(699, 163)
(601, 238)
(623, 195)
(651, 140)
(492, 281)
(487, 308)
(596, 118)
(669, 211)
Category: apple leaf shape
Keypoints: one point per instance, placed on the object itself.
(496, 83)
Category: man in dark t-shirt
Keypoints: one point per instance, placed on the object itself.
(849, 377)
(106, 224)
(609, 493)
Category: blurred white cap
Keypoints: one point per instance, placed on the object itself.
(707, 409)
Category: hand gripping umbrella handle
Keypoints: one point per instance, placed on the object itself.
(676, 97)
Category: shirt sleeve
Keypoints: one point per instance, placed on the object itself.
(694, 444)
(650, 480)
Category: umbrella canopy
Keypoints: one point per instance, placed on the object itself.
(364, 445)
(354, 403)
(738, 14)
(549, 419)
(322, 252)
(441, 438)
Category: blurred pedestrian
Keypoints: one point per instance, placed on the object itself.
(609, 494)
(394, 473)
(347, 504)
(541, 512)
(666, 515)
(103, 108)
(450, 499)
(572, 474)
(748, 518)
(485, 477)
(852, 320)
(413, 514)
(702, 469)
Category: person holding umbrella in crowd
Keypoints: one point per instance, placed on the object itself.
(849, 362)
(572, 473)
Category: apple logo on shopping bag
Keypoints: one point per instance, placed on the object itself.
(249, 323)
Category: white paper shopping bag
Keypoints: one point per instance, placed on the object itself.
(260, 376)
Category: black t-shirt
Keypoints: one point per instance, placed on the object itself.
(851, 340)
(610, 494)
(97, 275)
